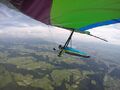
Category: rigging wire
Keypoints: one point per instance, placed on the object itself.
(71, 42)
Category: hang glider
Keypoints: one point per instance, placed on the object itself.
(77, 15)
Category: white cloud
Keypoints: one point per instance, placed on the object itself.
(16, 24)
(110, 33)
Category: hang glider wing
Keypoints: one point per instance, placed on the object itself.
(80, 15)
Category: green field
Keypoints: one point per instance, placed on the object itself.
(34, 66)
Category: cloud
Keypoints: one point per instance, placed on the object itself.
(16, 24)
(110, 33)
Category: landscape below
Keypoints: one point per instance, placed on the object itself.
(31, 64)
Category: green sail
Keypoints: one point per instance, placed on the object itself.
(76, 14)
(82, 13)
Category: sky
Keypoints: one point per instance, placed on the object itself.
(16, 24)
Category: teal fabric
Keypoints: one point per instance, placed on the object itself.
(72, 50)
